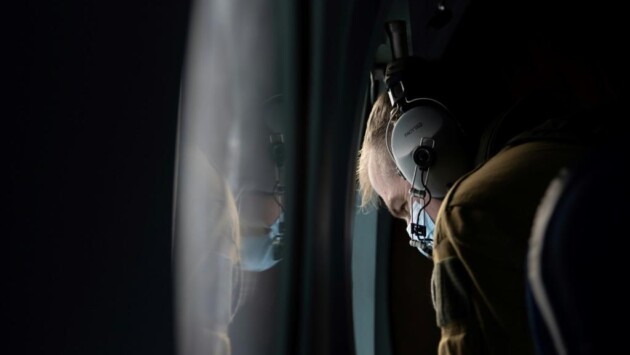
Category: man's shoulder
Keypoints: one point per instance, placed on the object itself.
(526, 168)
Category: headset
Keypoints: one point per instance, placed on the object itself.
(426, 142)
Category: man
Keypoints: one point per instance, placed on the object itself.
(481, 231)
(477, 233)
(229, 230)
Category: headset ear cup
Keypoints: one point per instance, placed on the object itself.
(424, 157)
(276, 149)
(277, 154)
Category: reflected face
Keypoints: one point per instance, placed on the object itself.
(394, 191)
(256, 208)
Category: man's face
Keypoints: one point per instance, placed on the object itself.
(259, 208)
(394, 190)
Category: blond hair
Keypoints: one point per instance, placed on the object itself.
(374, 147)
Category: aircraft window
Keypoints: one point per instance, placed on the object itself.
(230, 235)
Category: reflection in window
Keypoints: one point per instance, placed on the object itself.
(229, 223)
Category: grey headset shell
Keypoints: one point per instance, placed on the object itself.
(256, 167)
(430, 120)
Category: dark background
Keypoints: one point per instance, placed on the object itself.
(91, 149)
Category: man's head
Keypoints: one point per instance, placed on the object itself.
(376, 172)
(378, 175)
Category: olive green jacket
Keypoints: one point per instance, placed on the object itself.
(481, 241)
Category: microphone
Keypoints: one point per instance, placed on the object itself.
(415, 243)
